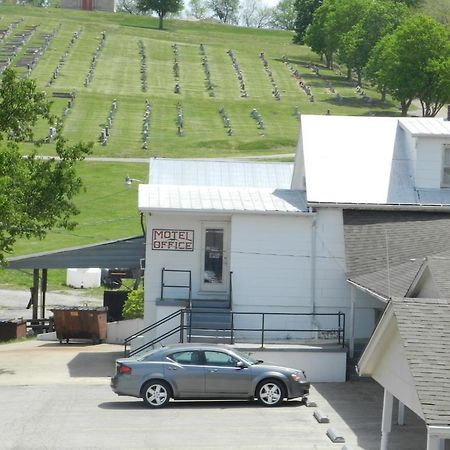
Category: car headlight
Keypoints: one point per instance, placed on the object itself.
(297, 376)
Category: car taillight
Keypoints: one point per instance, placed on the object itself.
(123, 369)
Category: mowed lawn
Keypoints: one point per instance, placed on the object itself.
(108, 208)
(117, 75)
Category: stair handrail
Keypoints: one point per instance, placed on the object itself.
(154, 325)
(156, 340)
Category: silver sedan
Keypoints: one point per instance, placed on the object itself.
(205, 371)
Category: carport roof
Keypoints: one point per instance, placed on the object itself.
(123, 253)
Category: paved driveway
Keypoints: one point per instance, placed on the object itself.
(58, 397)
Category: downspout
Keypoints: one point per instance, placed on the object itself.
(314, 322)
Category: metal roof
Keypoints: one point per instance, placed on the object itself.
(123, 253)
(363, 160)
(220, 199)
(220, 173)
(425, 126)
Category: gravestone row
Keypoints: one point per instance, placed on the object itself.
(330, 88)
(176, 69)
(226, 121)
(275, 90)
(180, 119)
(106, 130)
(34, 53)
(146, 124)
(14, 45)
(5, 32)
(301, 82)
(95, 56)
(143, 68)
(63, 57)
(204, 59)
(257, 118)
(238, 72)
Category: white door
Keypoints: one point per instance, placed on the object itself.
(215, 254)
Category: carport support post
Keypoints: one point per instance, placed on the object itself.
(352, 322)
(43, 291)
(386, 421)
(35, 293)
(401, 413)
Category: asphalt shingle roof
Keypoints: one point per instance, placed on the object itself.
(404, 238)
(424, 326)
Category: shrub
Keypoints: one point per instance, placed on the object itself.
(133, 307)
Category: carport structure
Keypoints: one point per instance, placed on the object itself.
(127, 253)
(409, 355)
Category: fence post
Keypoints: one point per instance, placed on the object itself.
(262, 329)
(232, 327)
(162, 282)
(182, 326)
(339, 327)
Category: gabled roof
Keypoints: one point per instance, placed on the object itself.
(220, 173)
(123, 253)
(364, 160)
(424, 329)
(385, 249)
(424, 325)
(212, 199)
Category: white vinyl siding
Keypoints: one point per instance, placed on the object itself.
(446, 166)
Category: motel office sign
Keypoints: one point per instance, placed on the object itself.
(177, 240)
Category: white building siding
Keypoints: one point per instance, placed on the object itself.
(270, 261)
(429, 162)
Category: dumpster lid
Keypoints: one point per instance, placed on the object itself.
(80, 308)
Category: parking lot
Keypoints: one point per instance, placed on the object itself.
(58, 397)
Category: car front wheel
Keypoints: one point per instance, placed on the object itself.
(156, 394)
(270, 393)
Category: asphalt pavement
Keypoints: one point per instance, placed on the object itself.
(57, 396)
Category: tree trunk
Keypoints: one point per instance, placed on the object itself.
(405, 106)
(383, 94)
(349, 74)
(359, 77)
(161, 18)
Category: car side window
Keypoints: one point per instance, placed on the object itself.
(219, 359)
(186, 358)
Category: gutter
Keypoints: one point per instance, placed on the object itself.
(382, 206)
(368, 291)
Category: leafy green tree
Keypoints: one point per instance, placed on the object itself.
(160, 7)
(225, 10)
(376, 20)
(414, 62)
(36, 194)
(284, 15)
(304, 10)
(331, 22)
(133, 308)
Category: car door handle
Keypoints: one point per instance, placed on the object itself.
(212, 370)
(171, 368)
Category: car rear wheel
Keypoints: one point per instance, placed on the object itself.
(156, 394)
(270, 393)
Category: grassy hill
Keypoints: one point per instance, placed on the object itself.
(108, 209)
(117, 76)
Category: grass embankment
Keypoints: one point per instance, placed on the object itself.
(108, 210)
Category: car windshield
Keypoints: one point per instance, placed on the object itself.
(247, 358)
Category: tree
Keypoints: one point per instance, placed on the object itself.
(133, 307)
(284, 15)
(304, 10)
(376, 20)
(225, 10)
(414, 62)
(198, 9)
(35, 193)
(160, 7)
(255, 14)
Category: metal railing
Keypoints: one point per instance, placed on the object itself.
(185, 328)
(176, 286)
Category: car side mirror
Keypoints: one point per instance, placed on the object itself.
(240, 365)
